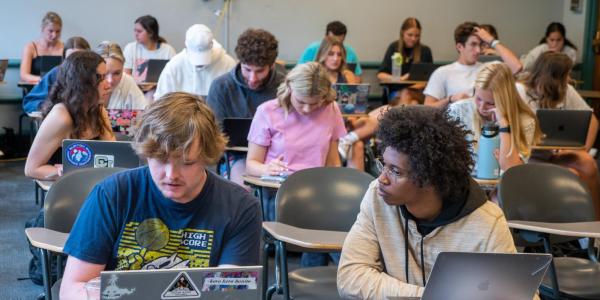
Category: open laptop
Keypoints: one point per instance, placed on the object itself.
(155, 67)
(3, 67)
(352, 98)
(422, 71)
(564, 128)
(483, 276)
(235, 283)
(123, 120)
(237, 130)
(489, 58)
(48, 62)
(77, 154)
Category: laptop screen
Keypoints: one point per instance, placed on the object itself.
(352, 98)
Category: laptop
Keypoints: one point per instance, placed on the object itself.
(422, 71)
(482, 276)
(237, 130)
(77, 154)
(564, 128)
(489, 58)
(155, 67)
(352, 98)
(3, 67)
(234, 283)
(122, 121)
(48, 62)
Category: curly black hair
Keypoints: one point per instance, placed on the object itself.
(464, 31)
(257, 47)
(436, 146)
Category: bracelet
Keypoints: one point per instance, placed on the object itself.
(494, 43)
(504, 129)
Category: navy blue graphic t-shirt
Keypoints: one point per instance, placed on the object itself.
(127, 224)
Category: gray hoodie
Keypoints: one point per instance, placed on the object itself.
(230, 97)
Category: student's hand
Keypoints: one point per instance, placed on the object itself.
(483, 35)
(277, 166)
(59, 169)
(499, 117)
(404, 77)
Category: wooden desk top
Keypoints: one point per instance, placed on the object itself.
(401, 82)
(306, 238)
(237, 149)
(44, 184)
(580, 229)
(355, 115)
(35, 114)
(589, 94)
(256, 181)
(540, 147)
(26, 84)
(487, 182)
(46, 238)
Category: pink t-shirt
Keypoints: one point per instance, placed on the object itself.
(303, 140)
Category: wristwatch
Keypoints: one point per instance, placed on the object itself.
(504, 129)
(494, 43)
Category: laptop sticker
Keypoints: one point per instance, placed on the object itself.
(182, 287)
(229, 281)
(104, 161)
(113, 291)
(79, 154)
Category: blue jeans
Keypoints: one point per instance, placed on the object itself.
(311, 259)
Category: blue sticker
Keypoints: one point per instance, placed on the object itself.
(79, 154)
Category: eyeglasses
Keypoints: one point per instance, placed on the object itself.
(390, 172)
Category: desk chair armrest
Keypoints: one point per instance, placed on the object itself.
(257, 182)
(306, 238)
(47, 239)
(579, 229)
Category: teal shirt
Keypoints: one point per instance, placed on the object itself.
(310, 54)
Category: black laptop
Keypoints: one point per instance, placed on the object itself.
(422, 71)
(564, 128)
(48, 62)
(489, 58)
(155, 67)
(237, 130)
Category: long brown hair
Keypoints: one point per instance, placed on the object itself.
(326, 45)
(406, 25)
(548, 81)
(76, 88)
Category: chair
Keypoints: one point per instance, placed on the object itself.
(315, 208)
(544, 200)
(63, 201)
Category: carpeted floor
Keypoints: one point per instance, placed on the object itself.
(17, 205)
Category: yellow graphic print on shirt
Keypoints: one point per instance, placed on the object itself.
(152, 245)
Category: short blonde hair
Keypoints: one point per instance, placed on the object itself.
(112, 50)
(51, 18)
(307, 80)
(172, 124)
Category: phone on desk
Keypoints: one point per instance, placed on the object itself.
(277, 178)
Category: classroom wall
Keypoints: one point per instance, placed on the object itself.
(372, 24)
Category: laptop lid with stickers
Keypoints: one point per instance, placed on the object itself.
(352, 98)
(194, 283)
(78, 154)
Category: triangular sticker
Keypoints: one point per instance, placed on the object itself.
(182, 287)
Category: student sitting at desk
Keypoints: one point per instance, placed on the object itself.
(195, 68)
(250, 83)
(454, 82)
(124, 92)
(546, 86)
(335, 30)
(48, 44)
(33, 100)
(172, 213)
(74, 110)
(496, 100)
(423, 203)
(555, 40)
(332, 56)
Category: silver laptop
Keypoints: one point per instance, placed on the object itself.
(352, 98)
(195, 283)
(566, 128)
(483, 276)
(77, 154)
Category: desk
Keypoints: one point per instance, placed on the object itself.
(41, 188)
(588, 94)
(487, 184)
(541, 147)
(146, 86)
(579, 229)
(237, 149)
(258, 184)
(306, 238)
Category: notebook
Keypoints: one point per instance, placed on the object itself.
(483, 276)
(237, 130)
(235, 283)
(352, 98)
(155, 67)
(48, 62)
(77, 154)
(123, 120)
(566, 128)
(3, 67)
(422, 71)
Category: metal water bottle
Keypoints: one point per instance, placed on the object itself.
(487, 164)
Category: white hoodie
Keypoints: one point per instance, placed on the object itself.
(179, 75)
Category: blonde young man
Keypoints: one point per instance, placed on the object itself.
(172, 213)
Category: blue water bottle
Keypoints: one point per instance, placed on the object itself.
(487, 164)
